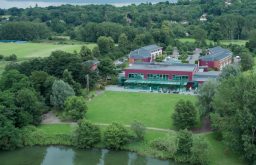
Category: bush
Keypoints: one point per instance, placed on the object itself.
(1, 57)
(115, 136)
(12, 57)
(199, 151)
(167, 145)
(75, 107)
(185, 142)
(185, 115)
(32, 136)
(139, 130)
(87, 135)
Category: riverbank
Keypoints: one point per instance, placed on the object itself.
(61, 134)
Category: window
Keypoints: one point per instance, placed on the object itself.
(180, 77)
(136, 76)
(157, 77)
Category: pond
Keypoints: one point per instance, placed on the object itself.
(58, 155)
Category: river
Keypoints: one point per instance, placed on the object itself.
(5, 4)
(57, 155)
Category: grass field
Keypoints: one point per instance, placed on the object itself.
(154, 110)
(224, 42)
(32, 50)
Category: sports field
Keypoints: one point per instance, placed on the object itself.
(152, 109)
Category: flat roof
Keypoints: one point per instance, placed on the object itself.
(206, 76)
(133, 81)
(144, 52)
(163, 67)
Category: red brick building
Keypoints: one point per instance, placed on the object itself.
(217, 58)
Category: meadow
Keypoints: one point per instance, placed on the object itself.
(223, 42)
(152, 109)
(25, 51)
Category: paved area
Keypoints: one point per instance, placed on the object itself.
(195, 57)
(116, 88)
(50, 118)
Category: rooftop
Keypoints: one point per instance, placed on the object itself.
(144, 52)
(216, 54)
(206, 76)
(163, 67)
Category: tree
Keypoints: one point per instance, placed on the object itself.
(251, 45)
(75, 107)
(106, 67)
(87, 135)
(184, 145)
(86, 53)
(96, 51)
(60, 92)
(27, 100)
(10, 137)
(199, 151)
(205, 96)
(228, 71)
(200, 35)
(106, 45)
(68, 78)
(115, 136)
(234, 116)
(184, 116)
(139, 130)
(247, 61)
(123, 43)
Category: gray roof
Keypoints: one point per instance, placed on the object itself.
(206, 76)
(144, 52)
(216, 54)
(163, 67)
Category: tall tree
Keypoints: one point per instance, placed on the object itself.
(106, 45)
(123, 43)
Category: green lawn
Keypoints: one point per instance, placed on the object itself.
(154, 110)
(224, 42)
(32, 50)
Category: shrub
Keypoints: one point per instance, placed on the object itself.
(115, 136)
(185, 142)
(166, 144)
(199, 151)
(87, 135)
(12, 57)
(139, 130)
(1, 57)
(75, 107)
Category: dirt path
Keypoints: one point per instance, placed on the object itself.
(51, 118)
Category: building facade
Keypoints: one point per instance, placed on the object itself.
(217, 58)
(145, 54)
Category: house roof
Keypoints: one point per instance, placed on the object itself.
(206, 76)
(216, 54)
(144, 52)
(163, 67)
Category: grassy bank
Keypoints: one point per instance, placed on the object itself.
(153, 110)
(61, 134)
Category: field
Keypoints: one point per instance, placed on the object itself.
(32, 50)
(224, 42)
(154, 110)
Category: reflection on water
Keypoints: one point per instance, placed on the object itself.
(68, 156)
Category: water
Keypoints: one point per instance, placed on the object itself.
(5, 4)
(68, 156)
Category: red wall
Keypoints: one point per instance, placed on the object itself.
(169, 73)
(132, 60)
